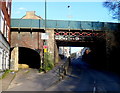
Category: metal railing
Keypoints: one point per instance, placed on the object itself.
(62, 69)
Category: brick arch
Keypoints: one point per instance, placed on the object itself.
(29, 56)
(25, 56)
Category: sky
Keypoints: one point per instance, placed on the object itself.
(77, 11)
(76, 49)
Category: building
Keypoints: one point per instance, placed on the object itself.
(83, 50)
(5, 14)
(64, 51)
(31, 15)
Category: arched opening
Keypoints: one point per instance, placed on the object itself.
(30, 57)
(96, 58)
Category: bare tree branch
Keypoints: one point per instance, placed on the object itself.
(114, 8)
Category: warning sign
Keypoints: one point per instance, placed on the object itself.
(45, 50)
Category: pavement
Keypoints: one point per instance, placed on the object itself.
(26, 80)
(1, 73)
(5, 82)
(30, 80)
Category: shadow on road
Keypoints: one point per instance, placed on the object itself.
(87, 79)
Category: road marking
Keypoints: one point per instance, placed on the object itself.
(94, 88)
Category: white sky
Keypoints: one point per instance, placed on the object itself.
(75, 49)
(61, 0)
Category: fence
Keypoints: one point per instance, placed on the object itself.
(62, 69)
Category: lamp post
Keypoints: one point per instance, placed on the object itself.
(69, 16)
(45, 13)
(44, 41)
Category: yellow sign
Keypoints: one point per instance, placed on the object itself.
(45, 50)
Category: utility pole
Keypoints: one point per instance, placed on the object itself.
(45, 14)
(45, 41)
(69, 16)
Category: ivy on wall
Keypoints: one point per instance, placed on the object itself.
(48, 61)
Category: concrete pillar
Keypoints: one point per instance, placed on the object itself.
(113, 50)
(14, 59)
(52, 46)
(7, 60)
(50, 42)
(3, 60)
(0, 59)
(57, 58)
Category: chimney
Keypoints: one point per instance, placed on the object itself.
(31, 15)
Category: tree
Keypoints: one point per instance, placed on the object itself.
(114, 8)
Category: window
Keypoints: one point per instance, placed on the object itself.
(0, 59)
(0, 19)
(8, 8)
(6, 3)
(7, 33)
(5, 29)
(2, 22)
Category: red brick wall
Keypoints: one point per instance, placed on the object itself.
(0, 4)
(27, 39)
(6, 15)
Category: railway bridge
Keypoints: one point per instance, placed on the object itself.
(37, 36)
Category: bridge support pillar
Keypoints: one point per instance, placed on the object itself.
(113, 50)
(52, 46)
(14, 59)
(57, 58)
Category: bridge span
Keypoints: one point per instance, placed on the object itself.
(99, 36)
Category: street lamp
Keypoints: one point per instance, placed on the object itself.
(45, 41)
(45, 13)
(69, 16)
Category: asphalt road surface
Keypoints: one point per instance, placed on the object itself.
(89, 80)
